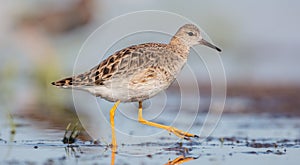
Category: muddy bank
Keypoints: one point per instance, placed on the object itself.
(257, 98)
(265, 99)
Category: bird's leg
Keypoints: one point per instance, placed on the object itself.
(112, 124)
(177, 132)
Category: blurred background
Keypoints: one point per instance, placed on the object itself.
(39, 41)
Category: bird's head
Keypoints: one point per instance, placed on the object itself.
(190, 35)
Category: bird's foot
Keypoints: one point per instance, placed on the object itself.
(182, 134)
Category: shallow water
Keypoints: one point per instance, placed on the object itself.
(252, 139)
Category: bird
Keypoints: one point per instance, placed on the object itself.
(139, 72)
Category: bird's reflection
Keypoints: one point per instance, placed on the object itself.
(182, 151)
(74, 150)
(113, 154)
(180, 159)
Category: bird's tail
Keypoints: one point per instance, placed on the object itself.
(74, 81)
(65, 83)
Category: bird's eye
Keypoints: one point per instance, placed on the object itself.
(190, 33)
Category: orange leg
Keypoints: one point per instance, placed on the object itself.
(177, 132)
(112, 124)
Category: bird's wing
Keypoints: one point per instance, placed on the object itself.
(122, 63)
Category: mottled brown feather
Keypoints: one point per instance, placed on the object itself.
(127, 58)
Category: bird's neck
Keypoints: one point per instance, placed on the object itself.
(179, 47)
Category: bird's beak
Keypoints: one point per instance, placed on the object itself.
(206, 43)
